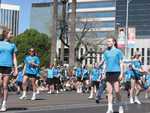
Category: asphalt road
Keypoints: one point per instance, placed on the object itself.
(69, 102)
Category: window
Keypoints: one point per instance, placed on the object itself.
(91, 56)
(148, 56)
(143, 55)
(96, 14)
(132, 52)
(94, 4)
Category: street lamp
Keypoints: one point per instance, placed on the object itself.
(126, 33)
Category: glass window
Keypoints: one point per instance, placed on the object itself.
(132, 51)
(148, 56)
(96, 14)
(143, 55)
(95, 4)
(91, 55)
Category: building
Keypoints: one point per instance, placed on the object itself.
(101, 13)
(139, 19)
(100, 17)
(9, 17)
(15, 14)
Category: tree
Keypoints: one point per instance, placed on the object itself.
(72, 34)
(32, 38)
(63, 30)
(54, 33)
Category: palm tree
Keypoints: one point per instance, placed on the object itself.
(64, 2)
(54, 36)
(72, 34)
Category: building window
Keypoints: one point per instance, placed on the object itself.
(132, 52)
(148, 56)
(143, 55)
(91, 56)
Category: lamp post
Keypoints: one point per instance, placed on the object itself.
(126, 29)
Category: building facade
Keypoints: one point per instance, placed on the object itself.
(9, 17)
(15, 14)
(138, 18)
(99, 17)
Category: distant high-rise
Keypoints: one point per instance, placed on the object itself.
(139, 18)
(9, 17)
(100, 14)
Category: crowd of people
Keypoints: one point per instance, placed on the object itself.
(104, 77)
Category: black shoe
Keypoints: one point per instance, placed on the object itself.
(97, 101)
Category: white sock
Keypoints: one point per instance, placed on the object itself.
(4, 102)
(110, 106)
(24, 93)
(34, 93)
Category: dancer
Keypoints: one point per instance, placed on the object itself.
(7, 62)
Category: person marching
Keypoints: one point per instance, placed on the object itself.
(30, 71)
(7, 62)
(114, 72)
(50, 79)
(78, 74)
(128, 74)
(147, 84)
(85, 79)
(136, 79)
(56, 75)
(94, 78)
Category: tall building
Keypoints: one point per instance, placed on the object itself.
(15, 14)
(99, 18)
(99, 13)
(9, 17)
(139, 16)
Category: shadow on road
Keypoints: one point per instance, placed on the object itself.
(16, 109)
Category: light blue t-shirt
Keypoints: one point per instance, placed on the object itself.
(128, 74)
(55, 72)
(147, 81)
(85, 73)
(29, 68)
(7, 50)
(78, 72)
(20, 76)
(112, 59)
(49, 73)
(95, 74)
(137, 64)
(37, 68)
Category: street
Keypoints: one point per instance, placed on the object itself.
(69, 102)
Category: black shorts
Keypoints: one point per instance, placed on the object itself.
(112, 77)
(50, 81)
(31, 75)
(84, 79)
(19, 83)
(56, 80)
(5, 70)
(95, 83)
(79, 79)
(127, 85)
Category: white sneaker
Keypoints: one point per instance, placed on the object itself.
(3, 108)
(33, 97)
(131, 100)
(57, 91)
(109, 111)
(49, 92)
(37, 92)
(90, 97)
(121, 110)
(22, 97)
(137, 100)
(146, 96)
